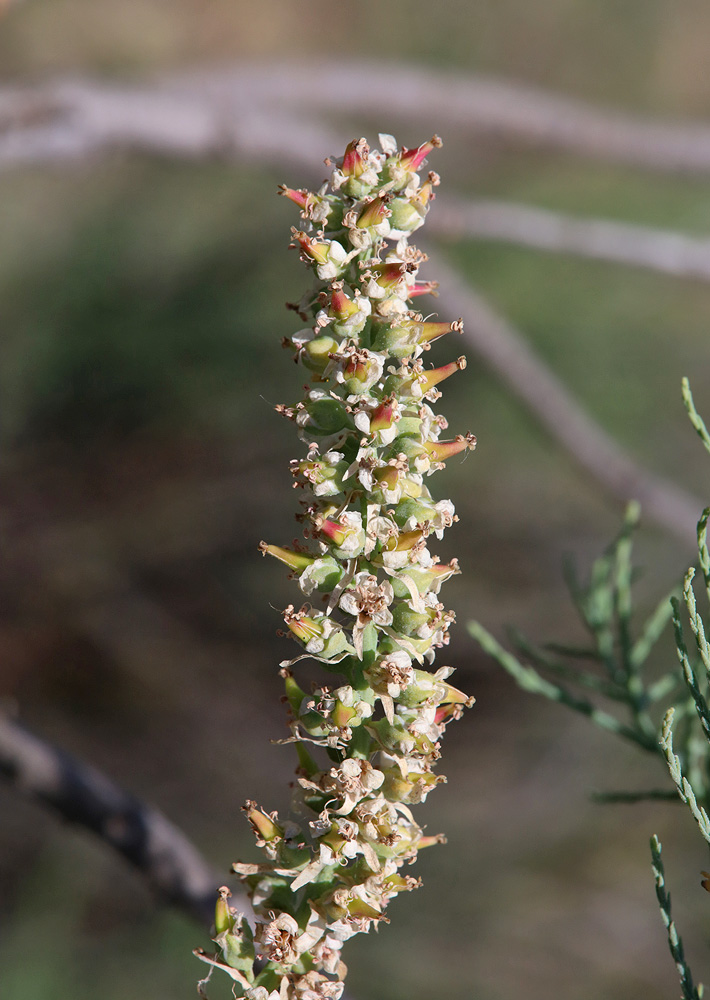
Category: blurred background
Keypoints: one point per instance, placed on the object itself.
(141, 462)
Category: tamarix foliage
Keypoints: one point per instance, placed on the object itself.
(368, 742)
(667, 716)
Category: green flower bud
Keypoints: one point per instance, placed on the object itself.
(234, 936)
(361, 371)
(391, 737)
(323, 575)
(306, 764)
(347, 536)
(398, 338)
(419, 509)
(406, 621)
(238, 951)
(225, 918)
(319, 634)
(344, 715)
(324, 476)
(316, 353)
(412, 789)
(409, 425)
(294, 694)
(349, 316)
(424, 687)
(327, 416)
(408, 445)
(406, 215)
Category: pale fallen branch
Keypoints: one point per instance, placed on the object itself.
(69, 121)
(65, 120)
(506, 352)
(81, 794)
(459, 102)
(600, 239)
(198, 112)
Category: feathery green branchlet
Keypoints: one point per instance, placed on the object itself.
(675, 944)
(614, 667)
(367, 743)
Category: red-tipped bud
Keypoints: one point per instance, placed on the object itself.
(390, 274)
(302, 197)
(355, 158)
(343, 715)
(302, 625)
(383, 417)
(334, 532)
(263, 825)
(297, 561)
(313, 206)
(432, 331)
(438, 838)
(423, 288)
(427, 380)
(341, 306)
(412, 159)
(311, 250)
(444, 713)
(440, 451)
(329, 257)
(442, 571)
(405, 541)
(374, 213)
(355, 368)
(425, 194)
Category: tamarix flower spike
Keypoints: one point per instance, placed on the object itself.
(368, 741)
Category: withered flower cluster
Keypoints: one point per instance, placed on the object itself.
(367, 743)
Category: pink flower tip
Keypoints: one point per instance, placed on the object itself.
(412, 159)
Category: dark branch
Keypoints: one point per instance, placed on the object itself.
(81, 794)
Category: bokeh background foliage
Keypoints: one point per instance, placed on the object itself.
(141, 462)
